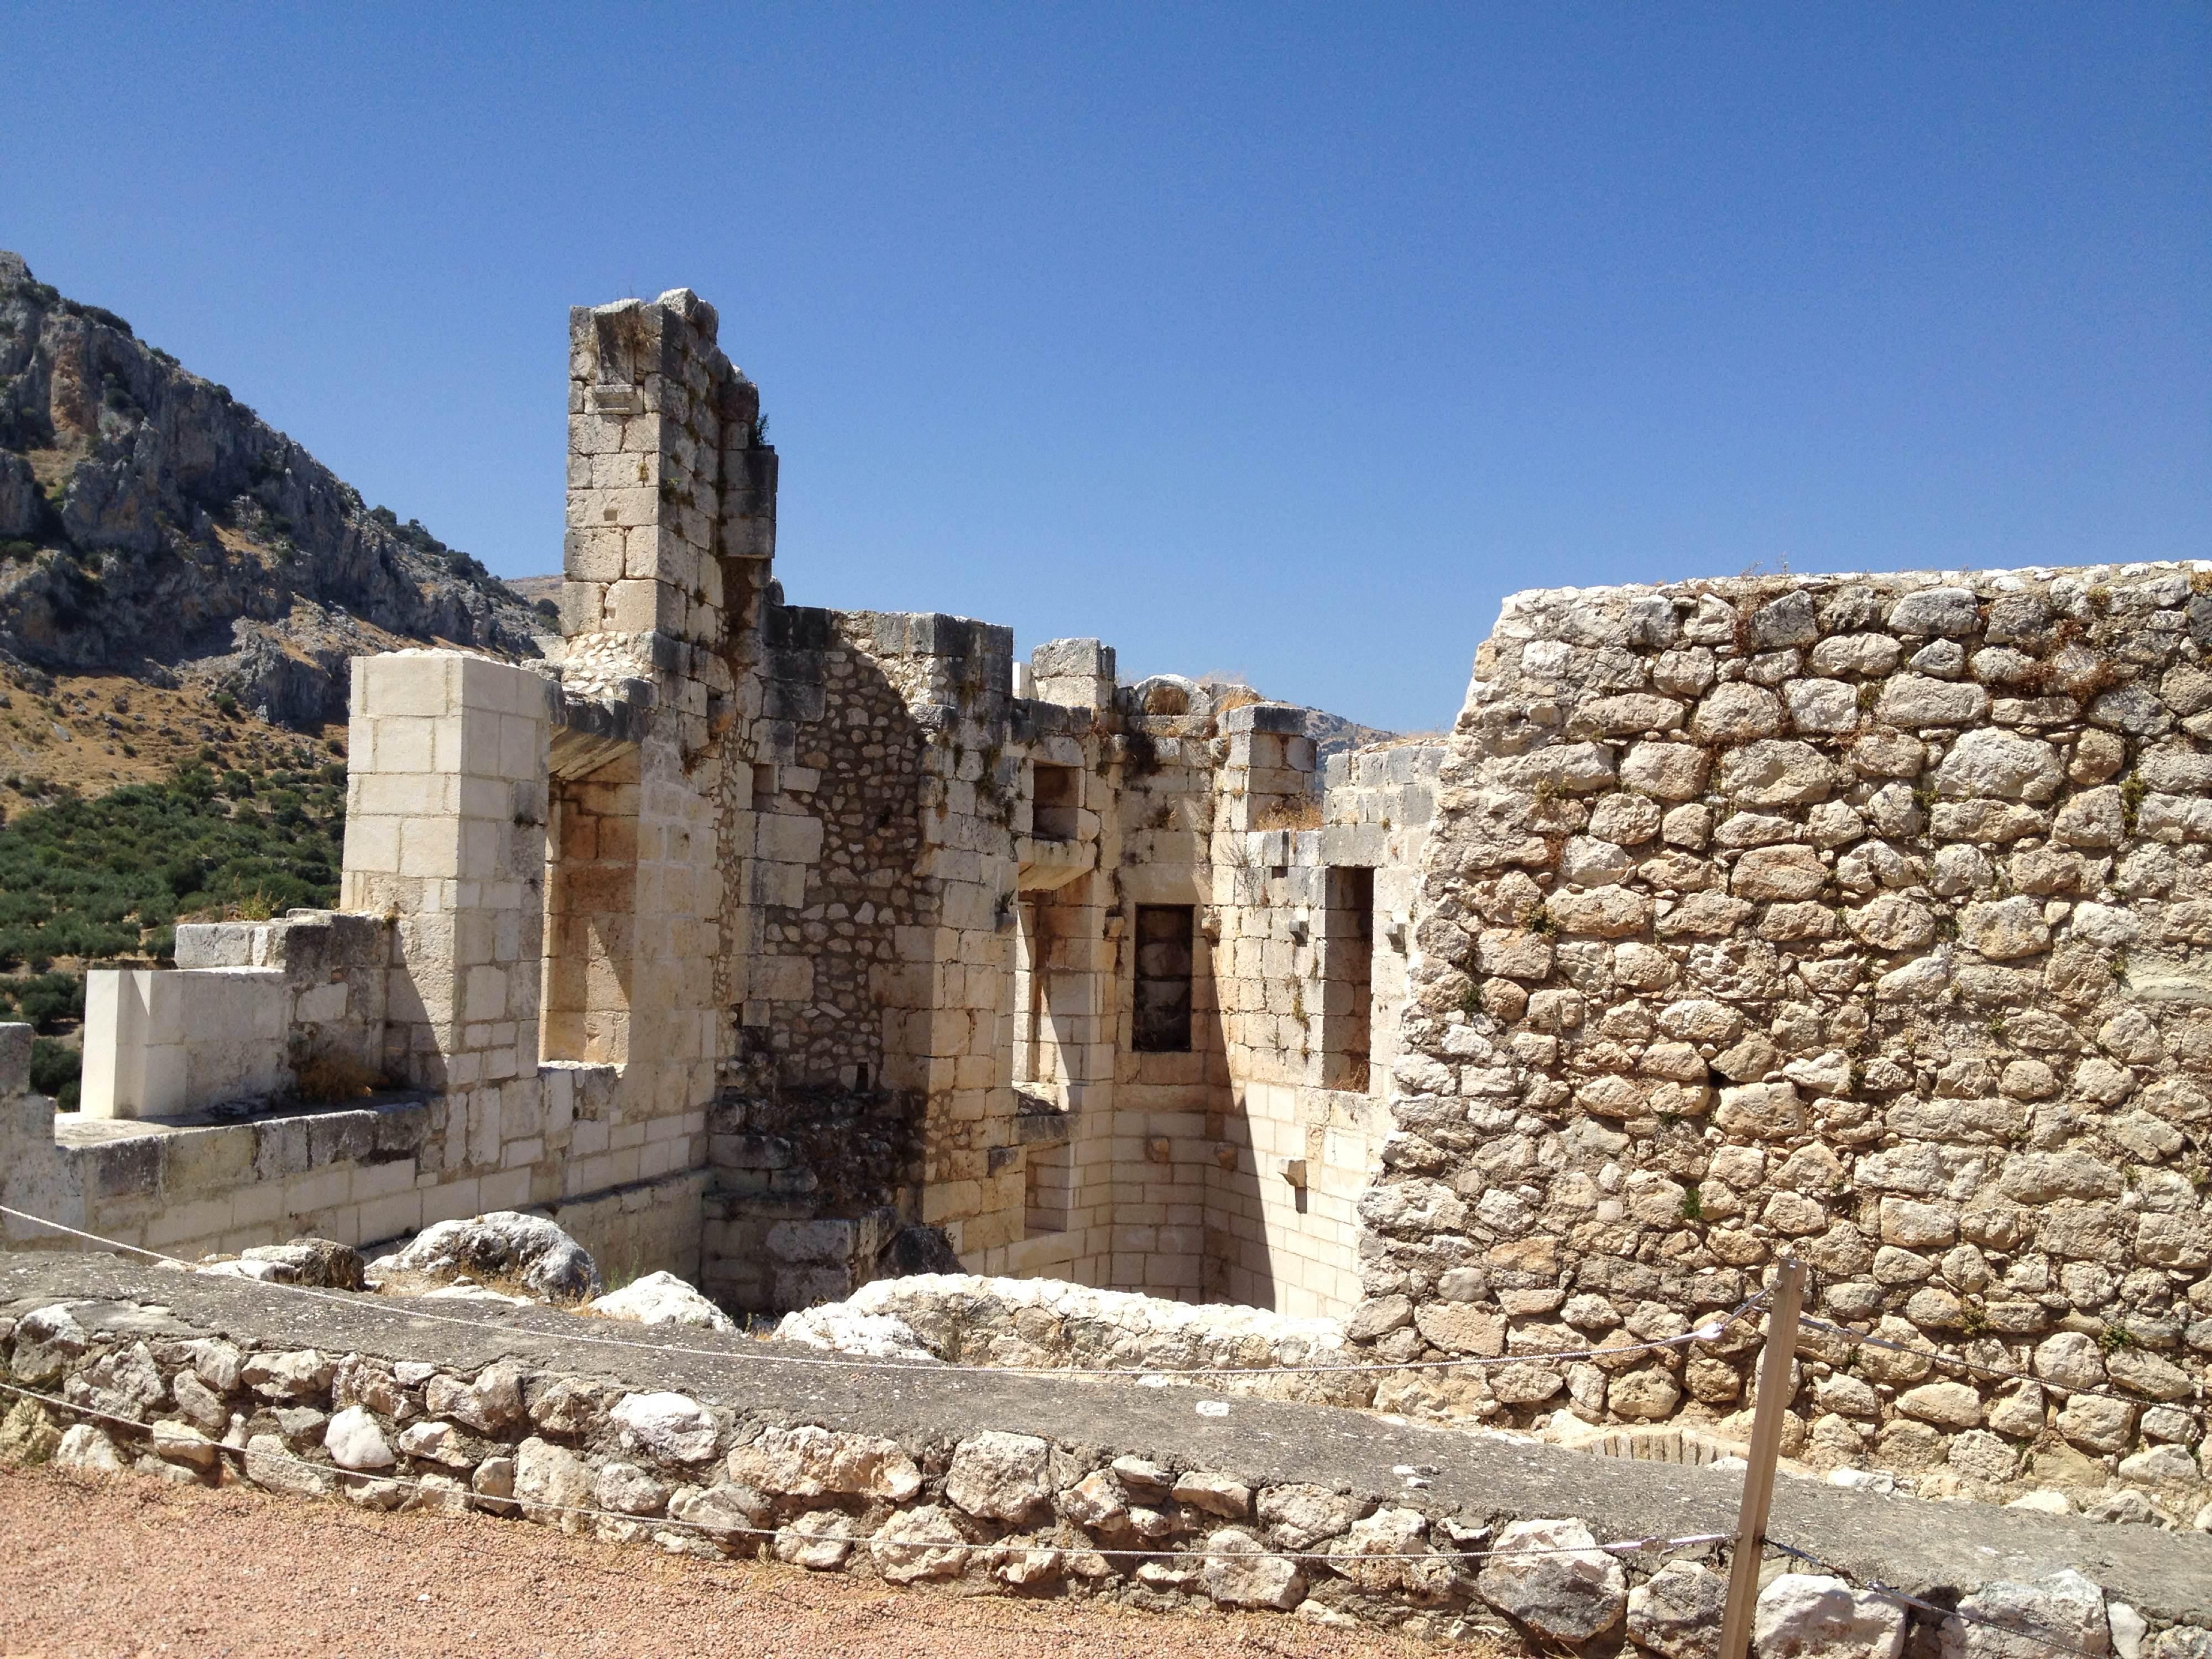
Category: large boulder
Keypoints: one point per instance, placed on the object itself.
(526, 1248)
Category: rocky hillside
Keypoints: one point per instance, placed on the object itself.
(154, 529)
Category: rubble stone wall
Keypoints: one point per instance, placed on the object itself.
(1036, 1486)
(1856, 918)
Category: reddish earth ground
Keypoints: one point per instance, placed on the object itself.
(129, 1566)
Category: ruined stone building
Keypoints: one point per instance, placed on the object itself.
(1855, 917)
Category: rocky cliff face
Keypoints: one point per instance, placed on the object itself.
(152, 524)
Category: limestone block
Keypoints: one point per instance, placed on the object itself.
(1938, 610)
(1813, 1616)
(162, 1044)
(1677, 1612)
(1778, 772)
(1572, 1598)
(1790, 873)
(1737, 712)
(1238, 1573)
(2016, 1621)
(1914, 700)
(1665, 771)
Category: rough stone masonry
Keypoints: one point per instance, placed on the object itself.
(788, 949)
(1035, 1485)
(1858, 918)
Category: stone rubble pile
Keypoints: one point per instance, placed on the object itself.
(962, 1319)
(1000, 1510)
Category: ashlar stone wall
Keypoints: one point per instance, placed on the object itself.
(1859, 919)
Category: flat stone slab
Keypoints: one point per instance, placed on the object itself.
(1934, 1550)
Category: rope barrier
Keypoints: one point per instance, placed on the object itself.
(331, 1470)
(1702, 1334)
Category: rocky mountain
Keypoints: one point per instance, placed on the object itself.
(153, 528)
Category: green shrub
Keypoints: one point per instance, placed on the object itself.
(57, 1070)
(107, 878)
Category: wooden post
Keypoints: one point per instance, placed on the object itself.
(1765, 1447)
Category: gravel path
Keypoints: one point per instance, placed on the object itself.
(130, 1566)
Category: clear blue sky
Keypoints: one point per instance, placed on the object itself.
(1274, 339)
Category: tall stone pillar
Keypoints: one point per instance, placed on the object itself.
(446, 797)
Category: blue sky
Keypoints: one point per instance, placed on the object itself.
(1281, 340)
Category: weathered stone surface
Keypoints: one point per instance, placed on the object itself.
(302, 1374)
(1000, 1477)
(269, 1462)
(2065, 1608)
(807, 1461)
(1737, 712)
(1947, 1404)
(1238, 1574)
(528, 1249)
(1677, 1612)
(665, 1427)
(662, 1298)
(1299, 1515)
(919, 1543)
(436, 1443)
(2001, 764)
(628, 1490)
(355, 1440)
(552, 1484)
(85, 1447)
(1458, 1328)
(320, 1262)
(1778, 772)
(819, 1540)
(1913, 701)
(731, 1513)
(490, 1404)
(2005, 930)
(1666, 771)
(1779, 872)
(180, 1443)
(1216, 1494)
(1801, 1616)
(1573, 1598)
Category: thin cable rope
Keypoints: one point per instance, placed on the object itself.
(331, 1470)
(1702, 1334)
(1846, 1332)
(1877, 1588)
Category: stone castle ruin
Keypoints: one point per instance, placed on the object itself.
(1862, 919)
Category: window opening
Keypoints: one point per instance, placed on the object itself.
(1165, 951)
(1056, 793)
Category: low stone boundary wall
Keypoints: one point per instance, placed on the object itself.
(1029, 1485)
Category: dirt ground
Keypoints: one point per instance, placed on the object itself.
(130, 1566)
